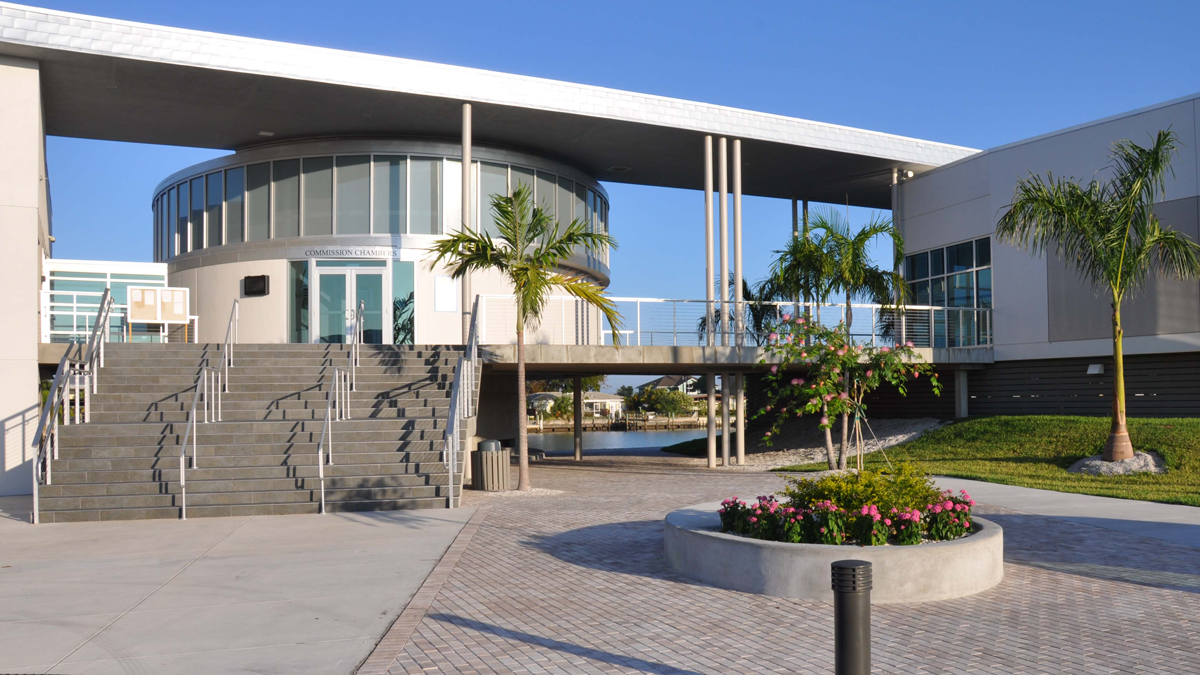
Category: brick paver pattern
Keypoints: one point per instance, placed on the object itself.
(578, 583)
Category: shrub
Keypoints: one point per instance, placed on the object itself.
(949, 518)
(869, 509)
(905, 487)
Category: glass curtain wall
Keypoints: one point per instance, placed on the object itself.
(351, 194)
(956, 276)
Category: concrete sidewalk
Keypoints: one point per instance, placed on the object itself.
(265, 594)
(1168, 522)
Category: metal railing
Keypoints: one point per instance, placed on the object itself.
(356, 340)
(461, 406)
(659, 321)
(337, 407)
(70, 316)
(74, 372)
(231, 338)
(208, 391)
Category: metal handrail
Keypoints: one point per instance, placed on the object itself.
(231, 338)
(212, 408)
(356, 339)
(461, 405)
(71, 371)
(337, 403)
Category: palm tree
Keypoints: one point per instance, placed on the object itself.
(851, 271)
(528, 252)
(1109, 232)
(802, 270)
(758, 317)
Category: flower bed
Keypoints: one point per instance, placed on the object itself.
(824, 522)
(899, 506)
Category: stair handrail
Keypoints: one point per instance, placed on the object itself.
(452, 436)
(231, 338)
(337, 404)
(93, 359)
(472, 357)
(45, 439)
(356, 338)
(208, 390)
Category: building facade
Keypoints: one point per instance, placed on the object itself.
(1052, 341)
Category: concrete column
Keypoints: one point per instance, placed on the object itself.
(24, 220)
(961, 396)
(741, 418)
(711, 380)
(740, 322)
(467, 211)
(795, 219)
(708, 242)
(578, 382)
(723, 282)
(726, 393)
(711, 336)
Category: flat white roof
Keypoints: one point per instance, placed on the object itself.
(123, 80)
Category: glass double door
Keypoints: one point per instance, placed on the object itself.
(341, 287)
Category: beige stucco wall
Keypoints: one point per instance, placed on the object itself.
(23, 229)
(261, 320)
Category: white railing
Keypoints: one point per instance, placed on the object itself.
(208, 392)
(356, 339)
(231, 338)
(461, 406)
(68, 316)
(658, 321)
(337, 407)
(79, 373)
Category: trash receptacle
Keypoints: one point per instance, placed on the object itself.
(489, 467)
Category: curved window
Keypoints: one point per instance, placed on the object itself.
(353, 194)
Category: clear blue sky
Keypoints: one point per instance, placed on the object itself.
(971, 74)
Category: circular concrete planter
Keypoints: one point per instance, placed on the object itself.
(939, 571)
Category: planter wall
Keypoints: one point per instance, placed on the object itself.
(937, 571)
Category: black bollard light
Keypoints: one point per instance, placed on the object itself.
(851, 617)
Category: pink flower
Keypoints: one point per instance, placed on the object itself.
(908, 344)
(843, 396)
(767, 435)
(865, 510)
(824, 420)
(789, 339)
(869, 373)
(774, 369)
(800, 321)
(796, 381)
(822, 530)
(875, 517)
(753, 519)
(787, 317)
(841, 352)
(887, 521)
(884, 350)
(916, 374)
(937, 508)
(803, 355)
(773, 337)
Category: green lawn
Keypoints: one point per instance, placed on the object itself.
(1035, 452)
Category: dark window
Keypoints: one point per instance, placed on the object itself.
(920, 292)
(916, 266)
(214, 207)
(235, 191)
(960, 257)
(960, 292)
(286, 198)
(197, 214)
(937, 262)
(983, 252)
(983, 285)
(937, 292)
(258, 202)
(318, 196)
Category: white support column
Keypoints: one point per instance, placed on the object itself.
(578, 391)
(723, 285)
(723, 281)
(726, 393)
(468, 209)
(710, 379)
(740, 321)
(711, 336)
(741, 386)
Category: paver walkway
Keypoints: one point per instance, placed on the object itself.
(577, 583)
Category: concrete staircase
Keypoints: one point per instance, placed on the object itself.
(261, 458)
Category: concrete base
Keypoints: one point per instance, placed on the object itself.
(939, 571)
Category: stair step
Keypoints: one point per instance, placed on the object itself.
(243, 510)
(422, 442)
(269, 415)
(405, 462)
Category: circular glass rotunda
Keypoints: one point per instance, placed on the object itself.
(301, 232)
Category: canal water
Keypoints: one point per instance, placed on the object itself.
(613, 442)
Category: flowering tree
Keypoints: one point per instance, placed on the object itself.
(838, 375)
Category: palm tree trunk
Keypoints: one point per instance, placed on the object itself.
(522, 431)
(1118, 446)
